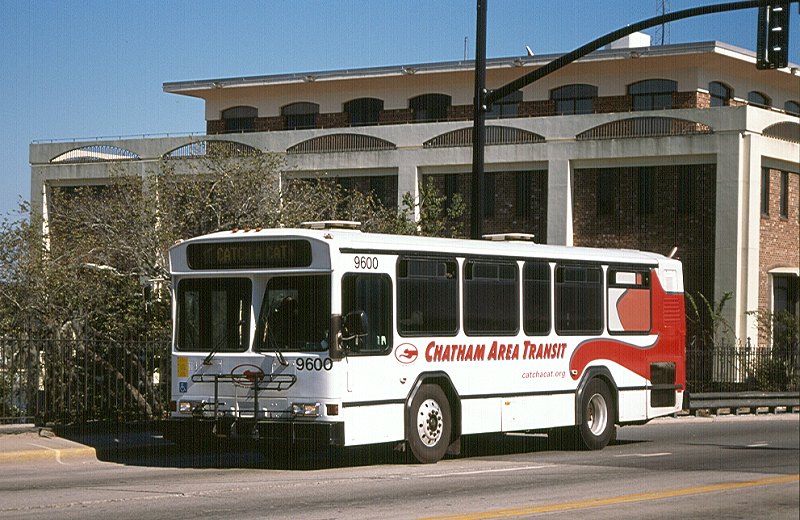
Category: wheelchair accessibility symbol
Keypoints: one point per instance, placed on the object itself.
(183, 386)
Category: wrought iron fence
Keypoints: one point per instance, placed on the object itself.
(83, 380)
(743, 369)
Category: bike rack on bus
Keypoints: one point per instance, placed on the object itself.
(277, 382)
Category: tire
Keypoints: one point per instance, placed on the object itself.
(598, 414)
(429, 424)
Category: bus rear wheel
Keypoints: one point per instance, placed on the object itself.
(597, 427)
(429, 424)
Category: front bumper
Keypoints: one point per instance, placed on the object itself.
(288, 431)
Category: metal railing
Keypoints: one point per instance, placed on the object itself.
(743, 369)
(102, 380)
(83, 380)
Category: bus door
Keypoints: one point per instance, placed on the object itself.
(372, 381)
(367, 330)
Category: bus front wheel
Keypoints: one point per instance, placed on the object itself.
(429, 424)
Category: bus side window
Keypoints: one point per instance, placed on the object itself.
(491, 297)
(579, 299)
(536, 298)
(370, 294)
(427, 296)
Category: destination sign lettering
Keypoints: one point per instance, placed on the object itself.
(255, 254)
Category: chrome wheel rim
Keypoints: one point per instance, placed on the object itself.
(430, 423)
(597, 415)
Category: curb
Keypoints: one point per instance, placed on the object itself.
(45, 453)
(27, 442)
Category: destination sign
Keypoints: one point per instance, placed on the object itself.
(250, 254)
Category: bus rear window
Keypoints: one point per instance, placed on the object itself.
(628, 301)
(213, 314)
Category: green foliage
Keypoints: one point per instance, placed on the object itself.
(708, 318)
(781, 332)
(100, 267)
(96, 273)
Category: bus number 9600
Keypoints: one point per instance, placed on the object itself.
(365, 262)
(314, 364)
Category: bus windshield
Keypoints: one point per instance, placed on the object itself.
(213, 314)
(295, 314)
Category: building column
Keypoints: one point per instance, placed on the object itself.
(559, 202)
(738, 231)
(408, 182)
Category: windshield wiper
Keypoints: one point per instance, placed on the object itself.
(279, 355)
(284, 305)
(210, 356)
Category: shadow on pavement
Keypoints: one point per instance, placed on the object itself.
(142, 444)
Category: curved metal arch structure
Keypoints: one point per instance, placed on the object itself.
(345, 142)
(785, 131)
(213, 148)
(95, 153)
(495, 135)
(649, 126)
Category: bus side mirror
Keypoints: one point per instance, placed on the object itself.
(354, 328)
(337, 350)
(355, 324)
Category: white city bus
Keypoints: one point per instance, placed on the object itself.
(333, 335)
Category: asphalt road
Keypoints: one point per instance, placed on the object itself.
(720, 467)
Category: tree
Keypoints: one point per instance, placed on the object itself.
(97, 271)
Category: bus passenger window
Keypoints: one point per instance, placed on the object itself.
(491, 297)
(536, 298)
(579, 299)
(427, 296)
(370, 296)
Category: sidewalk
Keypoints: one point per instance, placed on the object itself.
(93, 441)
(26, 442)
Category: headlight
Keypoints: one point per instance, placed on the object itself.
(305, 409)
(187, 407)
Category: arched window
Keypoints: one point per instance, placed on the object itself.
(300, 115)
(364, 111)
(758, 99)
(792, 107)
(574, 99)
(240, 119)
(430, 107)
(652, 94)
(721, 94)
(506, 107)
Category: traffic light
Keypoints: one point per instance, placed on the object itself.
(772, 48)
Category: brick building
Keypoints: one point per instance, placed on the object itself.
(683, 145)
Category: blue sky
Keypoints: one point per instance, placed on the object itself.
(95, 68)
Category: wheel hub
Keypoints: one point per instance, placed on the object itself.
(429, 422)
(597, 414)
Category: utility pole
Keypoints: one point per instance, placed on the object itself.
(479, 120)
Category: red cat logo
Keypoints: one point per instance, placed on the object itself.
(247, 375)
(406, 353)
